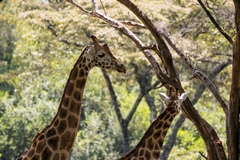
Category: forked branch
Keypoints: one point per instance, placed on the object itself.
(199, 75)
(214, 149)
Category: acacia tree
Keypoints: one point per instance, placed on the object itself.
(168, 77)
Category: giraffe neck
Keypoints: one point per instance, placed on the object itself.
(56, 140)
(151, 143)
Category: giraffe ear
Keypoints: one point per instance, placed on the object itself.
(164, 97)
(183, 97)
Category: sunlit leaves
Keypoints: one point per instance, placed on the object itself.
(44, 41)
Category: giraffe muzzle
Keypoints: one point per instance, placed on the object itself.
(121, 68)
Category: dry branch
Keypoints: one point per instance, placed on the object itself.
(199, 91)
(199, 75)
(214, 148)
(134, 24)
(121, 27)
(215, 23)
(205, 129)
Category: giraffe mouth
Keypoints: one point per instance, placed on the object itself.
(121, 68)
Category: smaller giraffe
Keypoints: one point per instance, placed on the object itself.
(150, 145)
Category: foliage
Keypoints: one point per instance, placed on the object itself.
(40, 43)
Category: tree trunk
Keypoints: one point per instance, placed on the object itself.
(233, 116)
(123, 124)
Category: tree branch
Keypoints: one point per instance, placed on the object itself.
(116, 106)
(80, 7)
(124, 122)
(205, 129)
(165, 55)
(95, 6)
(208, 134)
(134, 108)
(119, 26)
(113, 96)
(138, 100)
(199, 75)
(150, 101)
(215, 23)
(134, 24)
(199, 91)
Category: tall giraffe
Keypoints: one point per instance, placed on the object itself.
(56, 140)
(150, 145)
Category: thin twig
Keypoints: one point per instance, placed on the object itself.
(202, 154)
(135, 24)
(103, 7)
(215, 23)
(95, 6)
(79, 7)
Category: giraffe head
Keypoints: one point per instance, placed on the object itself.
(173, 99)
(101, 56)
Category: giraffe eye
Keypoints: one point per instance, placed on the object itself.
(101, 55)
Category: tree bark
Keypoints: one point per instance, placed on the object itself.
(233, 116)
(116, 106)
(144, 79)
(150, 101)
(123, 122)
(172, 136)
(214, 146)
(212, 142)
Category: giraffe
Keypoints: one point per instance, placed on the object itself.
(55, 141)
(150, 145)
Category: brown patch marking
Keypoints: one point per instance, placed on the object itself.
(69, 88)
(53, 142)
(75, 107)
(47, 154)
(72, 121)
(62, 113)
(40, 146)
(62, 126)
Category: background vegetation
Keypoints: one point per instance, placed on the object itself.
(41, 40)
